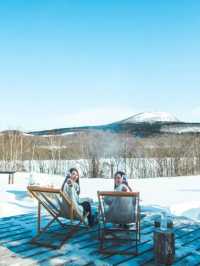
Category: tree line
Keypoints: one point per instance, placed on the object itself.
(100, 154)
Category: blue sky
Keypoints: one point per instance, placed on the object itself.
(67, 63)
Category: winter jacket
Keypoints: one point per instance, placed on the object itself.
(71, 193)
(120, 210)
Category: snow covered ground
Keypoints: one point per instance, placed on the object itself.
(177, 195)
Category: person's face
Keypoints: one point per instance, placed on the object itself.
(118, 180)
(74, 176)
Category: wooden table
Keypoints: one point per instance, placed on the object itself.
(10, 176)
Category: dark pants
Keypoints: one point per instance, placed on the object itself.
(87, 209)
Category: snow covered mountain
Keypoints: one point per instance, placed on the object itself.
(141, 125)
(151, 117)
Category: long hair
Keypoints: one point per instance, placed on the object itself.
(121, 173)
(76, 170)
(125, 182)
(77, 181)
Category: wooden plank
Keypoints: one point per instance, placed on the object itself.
(92, 247)
(182, 238)
(7, 235)
(115, 258)
(7, 221)
(46, 255)
(189, 237)
(118, 193)
(85, 243)
(70, 260)
(145, 255)
(15, 238)
(26, 249)
(144, 237)
(17, 244)
(93, 233)
(143, 258)
(43, 189)
(192, 260)
(14, 229)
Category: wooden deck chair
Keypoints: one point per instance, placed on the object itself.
(51, 199)
(119, 217)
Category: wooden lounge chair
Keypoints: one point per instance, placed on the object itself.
(52, 200)
(117, 224)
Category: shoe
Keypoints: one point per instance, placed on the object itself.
(125, 226)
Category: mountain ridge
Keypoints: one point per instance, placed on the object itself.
(141, 124)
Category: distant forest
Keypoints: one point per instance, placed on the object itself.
(166, 155)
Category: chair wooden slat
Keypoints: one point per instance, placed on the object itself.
(112, 230)
(45, 197)
(118, 193)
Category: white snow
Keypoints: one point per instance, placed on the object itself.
(67, 133)
(177, 195)
(57, 134)
(151, 117)
(53, 147)
(180, 129)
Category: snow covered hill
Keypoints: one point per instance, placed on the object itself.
(142, 124)
(151, 117)
(146, 124)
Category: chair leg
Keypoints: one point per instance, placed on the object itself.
(39, 218)
(101, 241)
(99, 230)
(136, 246)
(43, 230)
(137, 236)
(70, 233)
(68, 236)
(102, 236)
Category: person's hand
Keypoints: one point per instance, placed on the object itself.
(69, 182)
(124, 189)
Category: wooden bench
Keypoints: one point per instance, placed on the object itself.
(10, 176)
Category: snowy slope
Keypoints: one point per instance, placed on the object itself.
(180, 129)
(151, 117)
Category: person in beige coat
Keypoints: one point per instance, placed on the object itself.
(71, 186)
